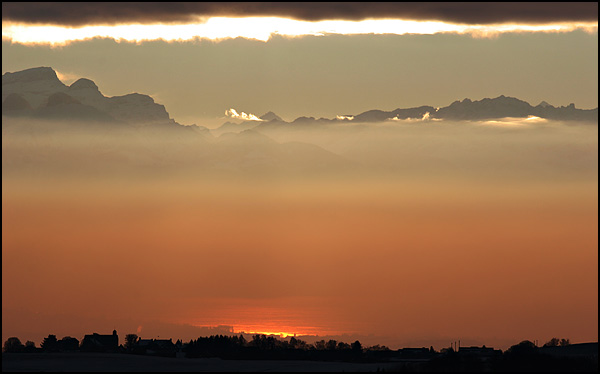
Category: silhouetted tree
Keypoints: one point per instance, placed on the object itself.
(13, 344)
(29, 347)
(263, 342)
(356, 346)
(319, 345)
(552, 342)
(50, 344)
(331, 345)
(564, 342)
(130, 341)
(524, 348)
(378, 347)
(68, 344)
(297, 343)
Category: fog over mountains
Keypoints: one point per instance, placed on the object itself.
(48, 125)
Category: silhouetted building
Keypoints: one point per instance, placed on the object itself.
(68, 344)
(100, 343)
(156, 347)
(415, 353)
(480, 352)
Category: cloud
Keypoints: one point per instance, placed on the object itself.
(83, 13)
(66, 78)
(260, 28)
(426, 118)
(245, 116)
(341, 118)
(515, 121)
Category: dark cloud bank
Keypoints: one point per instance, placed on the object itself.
(145, 12)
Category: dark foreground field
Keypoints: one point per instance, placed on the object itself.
(99, 362)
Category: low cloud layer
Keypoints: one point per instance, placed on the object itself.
(177, 12)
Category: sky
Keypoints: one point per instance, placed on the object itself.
(326, 73)
(479, 234)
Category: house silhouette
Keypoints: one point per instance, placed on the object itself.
(100, 343)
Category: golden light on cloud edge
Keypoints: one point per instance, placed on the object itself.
(262, 28)
(232, 113)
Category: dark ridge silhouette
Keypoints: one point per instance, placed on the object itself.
(504, 106)
(42, 73)
(37, 92)
(270, 116)
(380, 115)
(465, 110)
(499, 107)
(61, 106)
(16, 105)
(84, 84)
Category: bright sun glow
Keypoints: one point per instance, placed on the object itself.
(283, 330)
(281, 334)
(262, 28)
(279, 330)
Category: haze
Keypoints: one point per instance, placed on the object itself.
(391, 229)
(400, 232)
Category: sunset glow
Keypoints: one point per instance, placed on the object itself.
(359, 176)
(262, 28)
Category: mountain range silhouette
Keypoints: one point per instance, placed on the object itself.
(37, 92)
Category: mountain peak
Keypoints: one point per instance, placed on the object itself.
(42, 73)
(270, 116)
(47, 95)
(544, 104)
(84, 83)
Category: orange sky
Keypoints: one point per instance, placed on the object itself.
(408, 262)
(404, 233)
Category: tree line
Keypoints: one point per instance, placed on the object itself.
(525, 356)
(224, 345)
